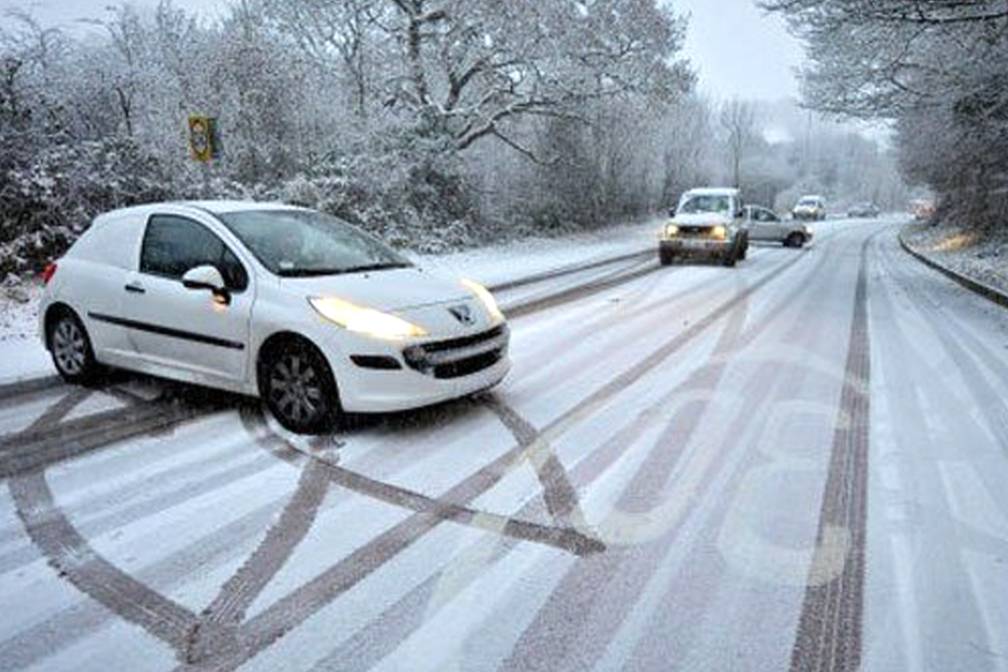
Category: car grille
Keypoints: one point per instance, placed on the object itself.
(459, 357)
(695, 231)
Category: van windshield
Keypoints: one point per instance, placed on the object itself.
(305, 243)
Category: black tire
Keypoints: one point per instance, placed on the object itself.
(665, 257)
(298, 387)
(70, 348)
(795, 240)
(730, 259)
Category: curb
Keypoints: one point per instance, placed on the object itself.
(975, 286)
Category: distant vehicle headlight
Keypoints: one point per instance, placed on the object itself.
(365, 320)
(719, 232)
(672, 231)
(486, 298)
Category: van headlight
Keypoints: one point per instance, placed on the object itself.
(486, 298)
(366, 321)
(719, 232)
(671, 231)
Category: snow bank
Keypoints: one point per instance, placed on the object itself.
(981, 257)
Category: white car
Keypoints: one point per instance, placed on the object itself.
(810, 207)
(291, 305)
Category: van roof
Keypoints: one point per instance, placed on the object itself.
(218, 207)
(713, 191)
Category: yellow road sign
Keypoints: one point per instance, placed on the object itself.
(201, 137)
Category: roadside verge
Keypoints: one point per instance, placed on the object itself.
(972, 284)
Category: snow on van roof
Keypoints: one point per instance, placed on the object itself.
(224, 207)
(215, 207)
(713, 191)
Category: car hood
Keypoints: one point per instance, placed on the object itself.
(390, 290)
(702, 219)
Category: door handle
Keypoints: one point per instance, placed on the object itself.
(135, 289)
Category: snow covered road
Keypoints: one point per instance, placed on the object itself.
(799, 463)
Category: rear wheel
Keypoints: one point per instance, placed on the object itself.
(299, 389)
(71, 349)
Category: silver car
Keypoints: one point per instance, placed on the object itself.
(766, 226)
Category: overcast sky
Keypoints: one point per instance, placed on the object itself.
(737, 50)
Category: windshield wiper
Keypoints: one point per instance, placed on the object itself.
(321, 272)
(376, 267)
(307, 272)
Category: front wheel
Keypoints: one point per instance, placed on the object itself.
(744, 248)
(71, 349)
(795, 240)
(665, 257)
(299, 388)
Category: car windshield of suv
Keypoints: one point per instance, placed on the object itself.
(304, 243)
(809, 203)
(698, 204)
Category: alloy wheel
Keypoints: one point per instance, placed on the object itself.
(69, 347)
(296, 389)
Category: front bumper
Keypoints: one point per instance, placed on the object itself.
(697, 246)
(427, 373)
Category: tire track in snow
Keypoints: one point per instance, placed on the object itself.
(73, 558)
(830, 624)
(582, 590)
(290, 611)
(400, 620)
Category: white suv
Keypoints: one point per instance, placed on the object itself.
(707, 223)
(289, 304)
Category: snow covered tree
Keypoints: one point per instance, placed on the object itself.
(935, 67)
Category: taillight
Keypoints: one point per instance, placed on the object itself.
(48, 273)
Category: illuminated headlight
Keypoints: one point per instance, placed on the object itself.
(365, 320)
(671, 231)
(719, 232)
(486, 298)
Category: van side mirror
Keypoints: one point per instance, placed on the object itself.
(203, 277)
(207, 278)
(671, 213)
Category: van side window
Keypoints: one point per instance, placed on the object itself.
(174, 245)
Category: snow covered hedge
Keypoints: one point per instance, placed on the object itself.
(47, 199)
(413, 198)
